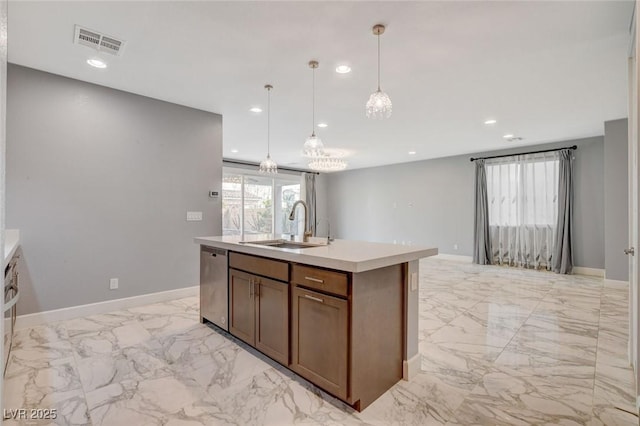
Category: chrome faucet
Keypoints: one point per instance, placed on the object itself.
(292, 216)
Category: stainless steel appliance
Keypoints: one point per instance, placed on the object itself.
(11, 295)
(214, 303)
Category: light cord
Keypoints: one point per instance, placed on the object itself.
(378, 62)
(313, 97)
(268, 122)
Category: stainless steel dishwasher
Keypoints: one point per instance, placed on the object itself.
(214, 290)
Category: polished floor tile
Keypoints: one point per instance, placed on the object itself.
(499, 346)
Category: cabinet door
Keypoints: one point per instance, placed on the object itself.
(272, 318)
(320, 330)
(241, 306)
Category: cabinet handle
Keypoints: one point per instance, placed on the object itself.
(315, 280)
(317, 299)
(256, 290)
(251, 288)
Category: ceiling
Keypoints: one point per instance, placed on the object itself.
(547, 71)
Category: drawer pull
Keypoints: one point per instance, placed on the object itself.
(315, 280)
(317, 299)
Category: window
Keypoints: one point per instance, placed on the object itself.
(256, 204)
(523, 192)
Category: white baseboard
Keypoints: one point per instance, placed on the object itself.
(454, 257)
(411, 367)
(616, 284)
(592, 272)
(46, 317)
(579, 270)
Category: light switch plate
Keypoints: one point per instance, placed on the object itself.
(414, 281)
(194, 216)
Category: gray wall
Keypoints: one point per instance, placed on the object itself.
(616, 200)
(431, 202)
(99, 182)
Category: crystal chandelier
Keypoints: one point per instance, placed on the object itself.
(313, 146)
(268, 166)
(379, 104)
(327, 164)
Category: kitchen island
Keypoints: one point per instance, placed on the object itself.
(343, 315)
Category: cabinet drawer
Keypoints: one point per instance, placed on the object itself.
(321, 279)
(260, 266)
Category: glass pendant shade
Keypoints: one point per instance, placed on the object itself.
(327, 164)
(379, 105)
(313, 147)
(268, 166)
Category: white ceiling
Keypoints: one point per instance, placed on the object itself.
(546, 71)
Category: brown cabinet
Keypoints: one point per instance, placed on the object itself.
(320, 333)
(347, 330)
(272, 318)
(259, 313)
(344, 331)
(242, 311)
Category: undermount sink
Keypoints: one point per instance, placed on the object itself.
(283, 244)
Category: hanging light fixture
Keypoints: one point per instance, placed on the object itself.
(268, 166)
(313, 146)
(379, 105)
(327, 163)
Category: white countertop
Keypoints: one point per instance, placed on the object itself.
(344, 255)
(11, 244)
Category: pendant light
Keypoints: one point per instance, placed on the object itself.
(268, 166)
(379, 105)
(313, 146)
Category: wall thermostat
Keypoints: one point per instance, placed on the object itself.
(214, 194)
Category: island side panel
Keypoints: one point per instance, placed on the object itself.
(411, 359)
(377, 333)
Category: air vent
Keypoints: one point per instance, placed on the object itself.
(98, 41)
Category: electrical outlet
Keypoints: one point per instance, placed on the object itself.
(194, 216)
(113, 284)
(455, 247)
(414, 281)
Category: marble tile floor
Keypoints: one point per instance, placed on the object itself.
(499, 347)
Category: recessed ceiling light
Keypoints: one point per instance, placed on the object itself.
(323, 125)
(412, 153)
(97, 63)
(255, 109)
(509, 136)
(343, 69)
(234, 151)
(489, 122)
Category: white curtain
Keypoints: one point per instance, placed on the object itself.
(522, 193)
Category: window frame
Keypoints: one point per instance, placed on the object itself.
(281, 178)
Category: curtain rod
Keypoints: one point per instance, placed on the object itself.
(524, 153)
(250, 163)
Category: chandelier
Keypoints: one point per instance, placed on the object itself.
(327, 163)
(379, 104)
(313, 146)
(268, 166)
